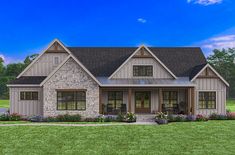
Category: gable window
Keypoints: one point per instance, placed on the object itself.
(142, 70)
(115, 102)
(28, 95)
(71, 100)
(56, 60)
(207, 100)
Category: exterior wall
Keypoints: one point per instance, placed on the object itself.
(211, 84)
(45, 64)
(127, 70)
(71, 76)
(26, 107)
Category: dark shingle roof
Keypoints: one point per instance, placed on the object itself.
(28, 80)
(103, 61)
(195, 70)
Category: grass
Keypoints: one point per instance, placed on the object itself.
(23, 122)
(199, 138)
(231, 104)
(4, 104)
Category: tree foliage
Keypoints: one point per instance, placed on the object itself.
(223, 62)
(10, 72)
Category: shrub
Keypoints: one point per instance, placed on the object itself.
(15, 117)
(231, 116)
(228, 111)
(215, 116)
(201, 118)
(68, 118)
(130, 117)
(161, 115)
(50, 119)
(177, 118)
(90, 120)
(100, 118)
(120, 117)
(191, 118)
(36, 118)
(4, 117)
(109, 119)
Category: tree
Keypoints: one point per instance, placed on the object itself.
(2, 68)
(223, 62)
(29, 59)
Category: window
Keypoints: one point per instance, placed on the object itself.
(115, 101)
(56, 60)
(207, 100)
(71, 100)
(170, 98)
(28, 95)
(142, 70)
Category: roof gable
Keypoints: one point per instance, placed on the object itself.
(143, 51)
(209, 71)
(54, 46)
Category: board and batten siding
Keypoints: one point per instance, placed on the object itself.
(45, 64)
(212, 85)
(126, 71)
(26, 107)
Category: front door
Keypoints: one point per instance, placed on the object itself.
(142, 102)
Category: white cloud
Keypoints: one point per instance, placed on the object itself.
(219, 42)
(205, 2)
(8, 60)
(142, 20)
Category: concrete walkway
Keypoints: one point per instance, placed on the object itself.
(55, 124)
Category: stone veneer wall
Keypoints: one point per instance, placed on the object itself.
(71, 76)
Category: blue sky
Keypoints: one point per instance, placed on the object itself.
(27, 27)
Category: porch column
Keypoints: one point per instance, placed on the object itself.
(160, 100)
(100, 101)
(129, 99)
(193, 100)
(189, 100)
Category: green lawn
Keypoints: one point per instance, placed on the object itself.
(4, 104)
(199, 138)
(231, 104)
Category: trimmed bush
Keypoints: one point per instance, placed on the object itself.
(15, 117)
(215, 116)
(120, 117)
(201, 118)
(68, 118)
(4, 117)
(100, 118)
(191, 118)
(130, 117)
(177, 118)
(36, 118)
(231, 116)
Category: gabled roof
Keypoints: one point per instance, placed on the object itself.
(154, 56)
(213, 70)
(103, 61)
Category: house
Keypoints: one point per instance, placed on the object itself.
(111, 80)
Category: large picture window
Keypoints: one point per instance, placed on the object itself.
(71, 100)
(115, 101)
(28, 95)
(207, 100)
(170, 98)
(142, 70)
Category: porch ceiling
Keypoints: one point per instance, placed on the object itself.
(179, 82)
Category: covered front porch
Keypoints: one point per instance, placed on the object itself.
(145, 100)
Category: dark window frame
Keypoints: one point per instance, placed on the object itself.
(29, 95)
(206, 98)
(113, 96)
(142, 70)
(75, 99)
(171, 100)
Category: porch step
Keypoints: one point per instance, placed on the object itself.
(145, 118)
